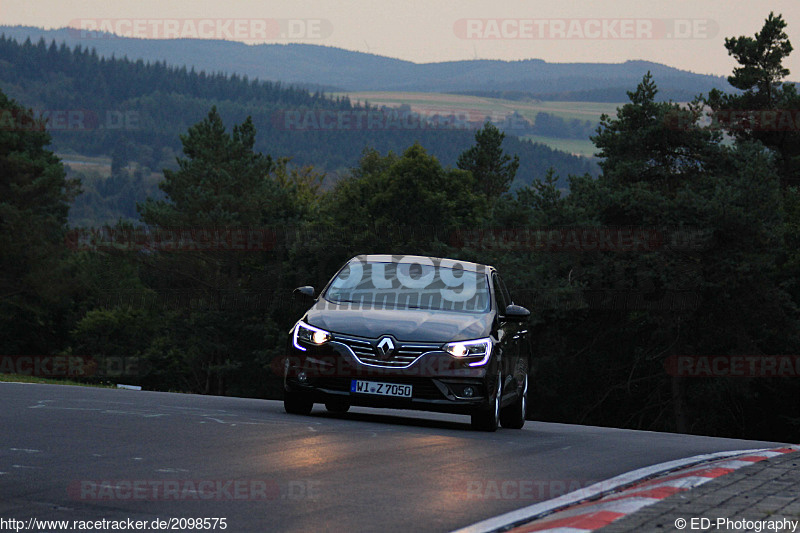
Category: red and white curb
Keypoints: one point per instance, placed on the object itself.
(602, 503)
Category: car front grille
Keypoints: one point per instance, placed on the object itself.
(403, 355)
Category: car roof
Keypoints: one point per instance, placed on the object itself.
(443, 261)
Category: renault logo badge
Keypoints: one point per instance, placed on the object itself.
(385, 348)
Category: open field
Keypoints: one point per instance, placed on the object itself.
(99, 165)
(429, 102)
(478, 107)
(581, 147)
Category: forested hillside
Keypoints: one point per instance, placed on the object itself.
(345, 70)
(135, 112)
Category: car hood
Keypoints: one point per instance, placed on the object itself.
(412, 325)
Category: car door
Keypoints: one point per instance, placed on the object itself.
(509, 336)
(522, 351)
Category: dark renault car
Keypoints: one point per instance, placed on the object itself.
(412, 332)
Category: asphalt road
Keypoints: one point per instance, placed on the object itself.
(74, 453)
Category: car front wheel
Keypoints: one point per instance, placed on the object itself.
(513, 416)
(488, 418)
(297, 403)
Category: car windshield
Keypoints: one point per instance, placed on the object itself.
(411, 286)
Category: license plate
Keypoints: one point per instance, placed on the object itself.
(380, 389)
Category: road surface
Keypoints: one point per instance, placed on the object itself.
(76, 453)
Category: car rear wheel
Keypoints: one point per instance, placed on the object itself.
(297, 403)
(513, 416)
(487, 419)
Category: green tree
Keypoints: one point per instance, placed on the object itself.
(703, 280)
(684, 181)
(492, 169)
(765, 108)
(223, 189)
(221, 182)
(761, 59)
(654, 147)
(35, 196)
(541, 202)
(417, 190)
(404, 201)
(406, 204)
(302, 187)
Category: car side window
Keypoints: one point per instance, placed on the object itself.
(500, 295)
(509, 299)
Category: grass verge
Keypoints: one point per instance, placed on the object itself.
(23, 378)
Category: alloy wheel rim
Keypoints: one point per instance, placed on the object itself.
(497, 399)
(525, 399)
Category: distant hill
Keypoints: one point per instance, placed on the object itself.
(336, 69)
(134, 112)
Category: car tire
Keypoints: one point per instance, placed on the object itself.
(513, 416)
(488, 418)
(337, 406)
(297, 403)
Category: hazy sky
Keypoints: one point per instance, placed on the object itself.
(687, 34)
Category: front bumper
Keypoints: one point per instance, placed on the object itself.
(438, 380)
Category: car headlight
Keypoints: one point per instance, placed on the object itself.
(477, 348)
(307, 334)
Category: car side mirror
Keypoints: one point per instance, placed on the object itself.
(516, 313)
(306, 291)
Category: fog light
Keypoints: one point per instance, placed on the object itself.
(468, 392)
(302, 377)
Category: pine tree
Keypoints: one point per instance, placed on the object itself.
(222, 198)
(35, 196)
(767, 108)
(492, 169)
